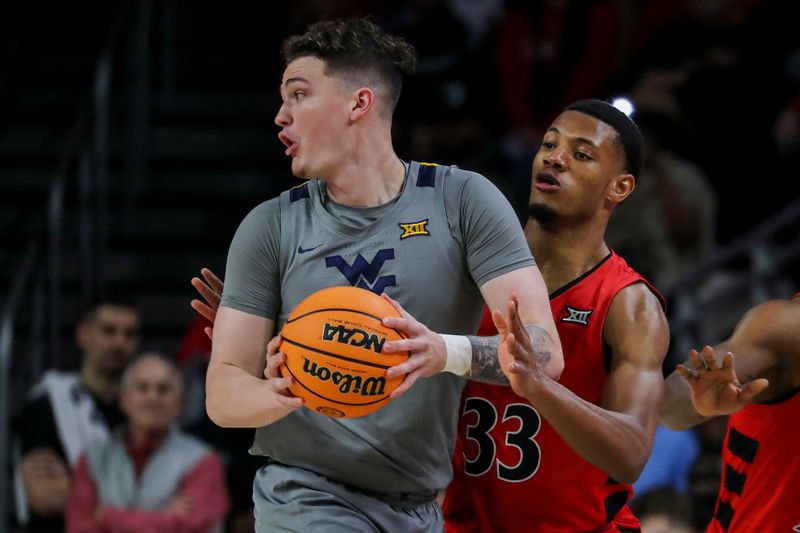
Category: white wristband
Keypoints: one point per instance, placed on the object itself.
(459, 355)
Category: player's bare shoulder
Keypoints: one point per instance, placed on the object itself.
(636, 319)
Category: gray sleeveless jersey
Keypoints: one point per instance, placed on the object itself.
(446, 234)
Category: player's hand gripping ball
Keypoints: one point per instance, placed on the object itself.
(333, 341)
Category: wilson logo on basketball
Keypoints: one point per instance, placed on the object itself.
(354, 337)
(348, 383)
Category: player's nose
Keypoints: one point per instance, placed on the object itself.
(283, 118)
(557, 158)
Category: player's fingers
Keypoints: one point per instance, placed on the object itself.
(208, 294)
(752, 388)
(727, 361)
(209, 332)
(513, 346)
(709, 358)
(203, 310)
(284, 397)
(520, 350)
(292, 402)
(513, 311)
(404, 345)
(696, 361)
(408, 326)
(406, 367)
(396, 305)
(409, 380)
(213, 281)
(272, 369)
(685, 373)
(280, 385)
(516, 325)
(500, 322)
(273, 344)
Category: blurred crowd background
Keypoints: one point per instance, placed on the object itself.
(136, 135)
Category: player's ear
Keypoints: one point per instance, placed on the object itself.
(361, 103)
(622, 185)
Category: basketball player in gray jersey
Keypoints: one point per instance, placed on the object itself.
(435, 241)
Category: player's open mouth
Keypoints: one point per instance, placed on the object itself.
(546, 182)
(288, 142)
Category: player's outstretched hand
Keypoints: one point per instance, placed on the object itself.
(515, 351)
(211, 291)
(715, 389)
(428, 352)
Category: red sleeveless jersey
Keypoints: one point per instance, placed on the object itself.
(512, 471)
(760, 488)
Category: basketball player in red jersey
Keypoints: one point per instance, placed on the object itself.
(760, 487)
(560, 457)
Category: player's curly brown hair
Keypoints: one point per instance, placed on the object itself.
(358, 51)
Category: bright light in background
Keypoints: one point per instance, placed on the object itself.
(624, 105)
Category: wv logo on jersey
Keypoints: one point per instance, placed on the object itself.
(578, 316)
(363, 273)
(412, 229)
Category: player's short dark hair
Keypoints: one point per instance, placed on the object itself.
(629, 135)
(356, 49)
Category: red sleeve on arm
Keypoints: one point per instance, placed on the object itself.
(82, 501)
(204, 485)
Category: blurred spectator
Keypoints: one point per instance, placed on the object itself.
(664, 511)
(670, 462)
(149, 476)
(66, 410)
(668, 224)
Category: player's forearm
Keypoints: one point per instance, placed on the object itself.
(486, 365)
(235, 398)
(614, 442)
(677, 411)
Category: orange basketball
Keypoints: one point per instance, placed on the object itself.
(333, 341)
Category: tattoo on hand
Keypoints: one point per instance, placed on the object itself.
(486, 365)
